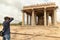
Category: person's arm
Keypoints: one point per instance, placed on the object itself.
(11, 19)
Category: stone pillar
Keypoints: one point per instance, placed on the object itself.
(23, 22)
(44, 16)
(33, 18)
(30, 19)
(47, 19)
(54, 17)
(27, 18)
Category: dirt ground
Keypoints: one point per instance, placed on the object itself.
(35, 33)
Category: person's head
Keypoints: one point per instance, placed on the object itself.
(6, 18)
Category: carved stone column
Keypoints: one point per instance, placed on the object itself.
(33, 18)
(44, 16)
(27, 18)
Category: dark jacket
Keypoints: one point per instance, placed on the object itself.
(6, 26)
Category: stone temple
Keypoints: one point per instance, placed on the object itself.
(39, 14)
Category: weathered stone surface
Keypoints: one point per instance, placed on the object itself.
(34, 33)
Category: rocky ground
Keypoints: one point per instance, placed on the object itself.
(34, 33)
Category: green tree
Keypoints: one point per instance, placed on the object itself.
(20, 23)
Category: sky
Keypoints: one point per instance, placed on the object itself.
(12, 8)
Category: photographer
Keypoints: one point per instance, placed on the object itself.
(6, 28)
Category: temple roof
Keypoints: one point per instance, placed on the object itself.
(44, 5)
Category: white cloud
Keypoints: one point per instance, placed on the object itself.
(10, 8)
(13, 7)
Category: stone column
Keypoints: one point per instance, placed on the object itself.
(44, 16)
(48, 19)
(33, 18)
(27, 18)
(30, 19)
(54, 17)
(23, 22)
